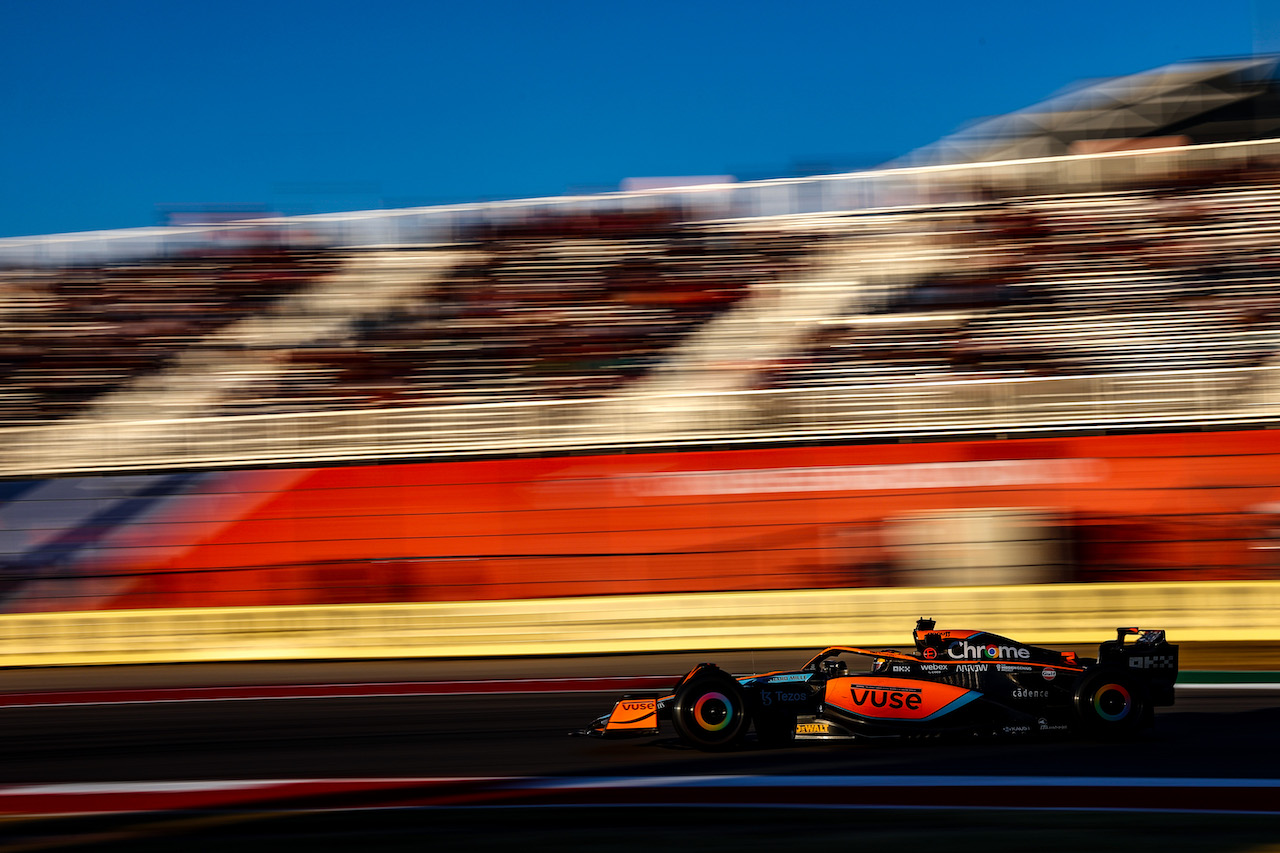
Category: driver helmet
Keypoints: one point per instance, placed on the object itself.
(881, 664)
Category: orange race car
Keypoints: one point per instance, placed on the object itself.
(965, 682)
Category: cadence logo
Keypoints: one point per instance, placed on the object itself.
(964, 650)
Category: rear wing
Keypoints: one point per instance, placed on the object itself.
(1150, 658)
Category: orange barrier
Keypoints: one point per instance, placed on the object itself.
(1184, 506)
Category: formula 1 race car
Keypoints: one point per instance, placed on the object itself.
(954, 682)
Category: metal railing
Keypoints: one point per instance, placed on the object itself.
(1156, 400)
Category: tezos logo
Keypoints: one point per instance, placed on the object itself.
(768, 697)
(964, 650)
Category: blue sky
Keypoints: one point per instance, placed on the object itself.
(116, 111)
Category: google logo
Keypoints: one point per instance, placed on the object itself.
(713, 711)
(1112, 702)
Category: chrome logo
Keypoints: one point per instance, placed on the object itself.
(713, 711)
(1112, 702)
(963, 650)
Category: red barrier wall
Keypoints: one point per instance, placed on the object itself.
(1131, 507)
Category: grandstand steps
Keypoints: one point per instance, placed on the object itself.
(231, 361)
(727, 354)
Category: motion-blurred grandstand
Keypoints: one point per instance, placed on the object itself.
(1101, 262)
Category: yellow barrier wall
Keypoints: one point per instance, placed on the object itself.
(1059, 613)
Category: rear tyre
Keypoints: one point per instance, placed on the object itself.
(1110, 704)
(709, 710)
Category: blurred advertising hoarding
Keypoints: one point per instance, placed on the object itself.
(1176, 506)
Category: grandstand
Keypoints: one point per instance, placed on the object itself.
(1124, 290)
(1100, 291)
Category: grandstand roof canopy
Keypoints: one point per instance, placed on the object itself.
(1187, 103)
(1201, 101)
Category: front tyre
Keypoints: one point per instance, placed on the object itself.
(1110, 704)
(709, 710)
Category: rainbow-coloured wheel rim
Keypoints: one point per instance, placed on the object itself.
(1112, 702)
(713, 711)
